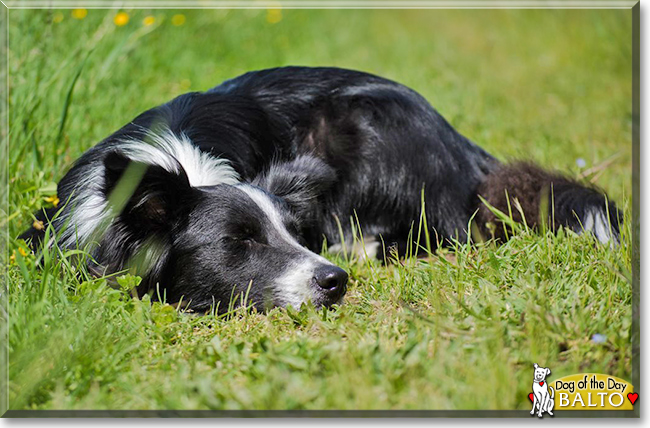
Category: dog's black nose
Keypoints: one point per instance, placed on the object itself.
(331, 279)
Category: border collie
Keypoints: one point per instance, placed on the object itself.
(236, 189)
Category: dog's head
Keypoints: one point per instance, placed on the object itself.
(541, 372)
(208, 240)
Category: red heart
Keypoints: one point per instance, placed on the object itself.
(632, 397)
(541, 384)
(531, 397)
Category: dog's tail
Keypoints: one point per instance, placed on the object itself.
(551, 391)
(528, 194)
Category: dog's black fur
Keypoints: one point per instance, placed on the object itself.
(323, 145)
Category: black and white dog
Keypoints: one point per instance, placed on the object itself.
(238, 188)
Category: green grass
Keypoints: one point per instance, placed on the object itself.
(554, 86)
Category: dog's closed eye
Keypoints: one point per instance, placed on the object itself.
(245, 234)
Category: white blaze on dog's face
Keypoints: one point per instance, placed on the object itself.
(541, 373)
(309, 277)
(241, 240)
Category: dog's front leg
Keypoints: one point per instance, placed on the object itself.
(535, 403)
(542, 404)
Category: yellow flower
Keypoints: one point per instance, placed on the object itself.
(22, 252)
(38, 225)
(79, 13)
(58, 17)
(121, 19)
(178, 19)
(149, 20)
(273, 16)
(12, 259)
(54, 200)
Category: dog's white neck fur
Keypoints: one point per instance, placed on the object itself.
(89, 209)
(168, 150)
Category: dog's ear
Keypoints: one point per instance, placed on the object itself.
(146, 197)
(299, 182)
(548, 371)
(535, 365)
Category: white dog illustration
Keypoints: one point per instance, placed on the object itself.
(543, 400)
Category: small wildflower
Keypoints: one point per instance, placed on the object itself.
(178, 19)
(273, 16)
(58, 17)
(149, 20)
(38, 225)
(54, 200)
(599, 338)
(12, 259)
(121, 19)
(79, 13)
(22, 252)
(581, 163)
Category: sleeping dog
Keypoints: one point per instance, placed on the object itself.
(236, 189)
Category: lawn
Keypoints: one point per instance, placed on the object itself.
(554, 86)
